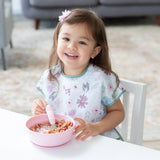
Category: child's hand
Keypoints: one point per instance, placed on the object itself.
(85, 130)
(38, 107)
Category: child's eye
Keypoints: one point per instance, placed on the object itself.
(82, 42)
(66, 39)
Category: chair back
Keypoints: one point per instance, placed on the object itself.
(134, 104)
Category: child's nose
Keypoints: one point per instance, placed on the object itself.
(72, 45)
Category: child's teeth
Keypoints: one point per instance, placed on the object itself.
(70, 55)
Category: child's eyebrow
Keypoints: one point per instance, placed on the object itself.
(67, 34)
(83, 37)
(86, 38)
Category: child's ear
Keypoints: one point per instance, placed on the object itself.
(96, 51)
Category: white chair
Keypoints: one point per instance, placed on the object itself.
(132, 126)
(6, 26)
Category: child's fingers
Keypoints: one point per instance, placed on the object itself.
(77, 126)
(40, 103)
(37, 111)
(87, 136)
(44, 104)
(83, 135)
(38, 107)
(81, 121)
(80, 127)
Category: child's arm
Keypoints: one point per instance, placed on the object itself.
(114, 117)
(38, 106)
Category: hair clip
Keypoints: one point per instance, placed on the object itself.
(64, 15)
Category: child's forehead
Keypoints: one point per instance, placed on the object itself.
(79, 27)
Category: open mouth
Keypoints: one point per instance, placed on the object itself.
(71, 55)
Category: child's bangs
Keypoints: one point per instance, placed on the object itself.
(90, 24)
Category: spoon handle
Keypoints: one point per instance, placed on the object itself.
(50, 114)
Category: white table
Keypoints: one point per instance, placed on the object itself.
(15, 144)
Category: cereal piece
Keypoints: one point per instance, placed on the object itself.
(33, 129)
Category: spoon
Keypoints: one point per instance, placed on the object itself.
(51, 118)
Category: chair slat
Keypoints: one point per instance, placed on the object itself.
(135, 131)
(124, 126)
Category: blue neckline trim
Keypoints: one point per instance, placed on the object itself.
(75, 76)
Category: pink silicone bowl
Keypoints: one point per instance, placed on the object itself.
(49, 140)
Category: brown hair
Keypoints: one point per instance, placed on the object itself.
(97, 29)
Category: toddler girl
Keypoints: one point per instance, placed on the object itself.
(80, 81)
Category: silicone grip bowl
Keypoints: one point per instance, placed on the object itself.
(49, 140)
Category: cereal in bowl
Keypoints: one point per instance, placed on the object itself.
(45, 127)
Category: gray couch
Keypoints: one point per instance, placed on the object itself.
(51, 9)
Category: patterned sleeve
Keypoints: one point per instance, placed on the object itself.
(42, 84)
(109, 92)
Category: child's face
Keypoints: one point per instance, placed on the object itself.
(75, 48)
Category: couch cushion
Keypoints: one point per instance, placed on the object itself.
(128, 2)
(62, 3)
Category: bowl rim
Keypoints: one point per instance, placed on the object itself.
(51, 133)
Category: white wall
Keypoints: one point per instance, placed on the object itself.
(16, 6)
